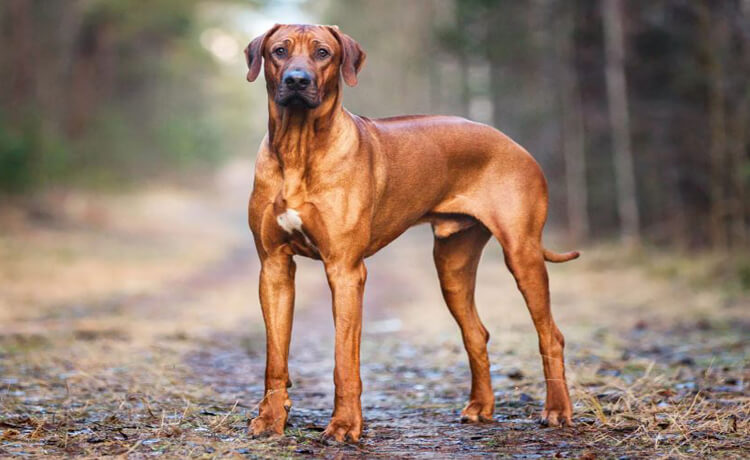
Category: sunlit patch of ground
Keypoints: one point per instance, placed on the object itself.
(134, 329)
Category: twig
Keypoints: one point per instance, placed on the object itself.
(221, 422)
(133, 447)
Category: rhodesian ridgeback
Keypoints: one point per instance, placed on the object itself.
(338, 187)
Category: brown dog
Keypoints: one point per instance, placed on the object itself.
(338, 187)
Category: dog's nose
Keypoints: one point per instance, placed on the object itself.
(296, 79)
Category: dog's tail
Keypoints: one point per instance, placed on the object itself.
(554, 257)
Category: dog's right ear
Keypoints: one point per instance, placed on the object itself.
(254, 53)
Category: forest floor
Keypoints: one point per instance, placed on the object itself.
(130, 326)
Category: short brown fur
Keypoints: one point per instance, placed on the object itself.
(357, 184)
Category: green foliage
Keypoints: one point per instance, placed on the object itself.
(15, 156)
(29, 156)
(187, 141)
(743, 272)
(121, 98)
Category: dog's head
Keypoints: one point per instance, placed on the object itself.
(304, 63)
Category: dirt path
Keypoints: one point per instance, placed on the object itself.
(130, 326)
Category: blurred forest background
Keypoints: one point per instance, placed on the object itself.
(638, 111)
(129, 317)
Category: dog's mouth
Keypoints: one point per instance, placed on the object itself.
(290, 98)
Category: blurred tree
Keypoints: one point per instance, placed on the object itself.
(100, 90)
(397, 37)
(658, 127)
(658, 153)
(714, 40)
(573, 140)
(724, 31)
(739, 128)
(461, 37)
(617, 98)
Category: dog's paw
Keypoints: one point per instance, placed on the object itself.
(269, 423)
(341, 430)
(477, 412)
(556, 418)
(274, 410)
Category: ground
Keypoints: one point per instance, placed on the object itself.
(129, 325)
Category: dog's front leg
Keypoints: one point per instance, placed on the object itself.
(347, 281)
(277, 302)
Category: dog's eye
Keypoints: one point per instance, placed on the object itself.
(322, 53)
(280, 51)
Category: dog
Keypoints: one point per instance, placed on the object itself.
(337, 187)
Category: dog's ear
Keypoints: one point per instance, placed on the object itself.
(353, 56)
(254, 53)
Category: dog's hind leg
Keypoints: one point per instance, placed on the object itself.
(525, 258)
(456, 259)
(515, 211)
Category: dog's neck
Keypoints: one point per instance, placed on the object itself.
(295, 132)
(299, 136)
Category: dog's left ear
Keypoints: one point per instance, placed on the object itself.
(353, 56)
(254, 53)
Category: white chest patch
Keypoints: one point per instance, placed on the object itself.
(290, 221)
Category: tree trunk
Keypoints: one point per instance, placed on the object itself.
(714, 42)
(495, 63)
(572, 125)
(463, 68)
(434, 76)
(737, 152)
(739, 129)
(21, 60)
(627, 202)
